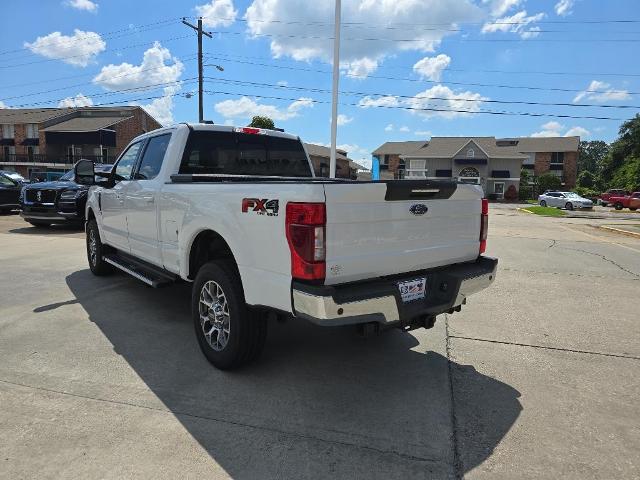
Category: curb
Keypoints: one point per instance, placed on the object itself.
(620, 230)
(527, 211)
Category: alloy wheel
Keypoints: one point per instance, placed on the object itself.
(214, 315)
(93, 247)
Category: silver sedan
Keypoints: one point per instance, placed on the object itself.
(568, 200)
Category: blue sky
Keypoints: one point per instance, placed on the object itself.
(411, 69)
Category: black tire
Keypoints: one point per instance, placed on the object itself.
(568, 206)
(247, 328)
(96, 263)
(39, 223)
(543, 203)
(618, 206)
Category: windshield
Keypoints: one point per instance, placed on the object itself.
(67, 177)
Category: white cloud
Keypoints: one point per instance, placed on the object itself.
(389, 128)
(577, 132)
(563, 7)
(246, 107)
(598, 91)
(87, 5)
(422, 133)
(283, 83)
(78, 49)
(445, 100)
(153, 70)
(78, 101)
(554, 129)
(386, 101)
(432, 67)
(517, 23)
(3, 105)
(342, 119)
(305, 21)
(500, 7)
(217, 13)
(162, 108)
(404, 128)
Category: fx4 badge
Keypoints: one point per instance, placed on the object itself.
(261, 206)
(418, 209)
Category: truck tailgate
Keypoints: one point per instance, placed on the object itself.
(387, 228)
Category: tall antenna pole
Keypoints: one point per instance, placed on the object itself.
(200, 33)
(334, 95)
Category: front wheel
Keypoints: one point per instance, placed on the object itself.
(229, 333)
(543, 203)
(96, 250)
(569, 206)
(618, 206)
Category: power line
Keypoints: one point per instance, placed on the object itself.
(378, 94)
(405, 79)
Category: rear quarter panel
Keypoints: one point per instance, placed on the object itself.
(258, 242)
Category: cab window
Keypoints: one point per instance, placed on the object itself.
(153, 157)
(127, 161)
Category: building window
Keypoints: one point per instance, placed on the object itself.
(9, 152)
(32, 152)
(557, 157)
(8, 131)
(471, 153)
(384, 160)
(32, 130)
(416, 168)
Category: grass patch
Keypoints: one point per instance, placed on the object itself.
(547, 211)
(532, 202)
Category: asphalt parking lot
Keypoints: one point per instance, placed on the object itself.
(538, 377)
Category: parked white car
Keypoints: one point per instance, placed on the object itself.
(568, 200)
(238, 213)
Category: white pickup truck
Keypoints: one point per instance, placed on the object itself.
(239, 213)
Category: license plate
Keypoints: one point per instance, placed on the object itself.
(412, 289)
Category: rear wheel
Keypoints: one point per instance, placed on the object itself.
(618, 206)
(543, 203)
(569, 206)
(229, 333)
(96, 250)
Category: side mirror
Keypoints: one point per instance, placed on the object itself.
(84, 172)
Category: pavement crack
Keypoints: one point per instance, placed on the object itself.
(177, 413)
(603, 257)
(457, 463)
(553, 243)
(545, 347)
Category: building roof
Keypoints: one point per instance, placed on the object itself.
(29, 115)
(322, 151)
(447, 147)
(84, 124)
(545, 144)
(400, 148)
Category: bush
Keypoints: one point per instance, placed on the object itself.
(525, 192)
(586, 179)
(548, 181)
(511, 194)
(586, 192)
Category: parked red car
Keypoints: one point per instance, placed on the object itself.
(632, 202)
(613, 192)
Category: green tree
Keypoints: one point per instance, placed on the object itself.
(259, 121)
(525, 177)
(586, 179)
(591, 155)
(628, 175)
(548, 181)
(625, 150)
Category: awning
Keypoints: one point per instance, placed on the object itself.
(104, 137)
(471, 161)
(443, 173)
(500, 174)
(31, 141)
(7, 141)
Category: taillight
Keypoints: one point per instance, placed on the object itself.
(305, 227)
(484, 225)
(249, 130)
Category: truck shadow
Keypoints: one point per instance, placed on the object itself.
(321, 403)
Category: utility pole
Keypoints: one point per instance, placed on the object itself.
(334, 96)
(200, 33)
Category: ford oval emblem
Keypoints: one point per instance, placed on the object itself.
(418, 209)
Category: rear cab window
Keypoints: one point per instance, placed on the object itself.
(235, 153)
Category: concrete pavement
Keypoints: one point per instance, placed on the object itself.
(535, 378)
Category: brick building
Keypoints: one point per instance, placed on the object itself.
(46, 142)
(495, 164)
(320, 158)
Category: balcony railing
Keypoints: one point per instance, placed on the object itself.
(39, 158)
